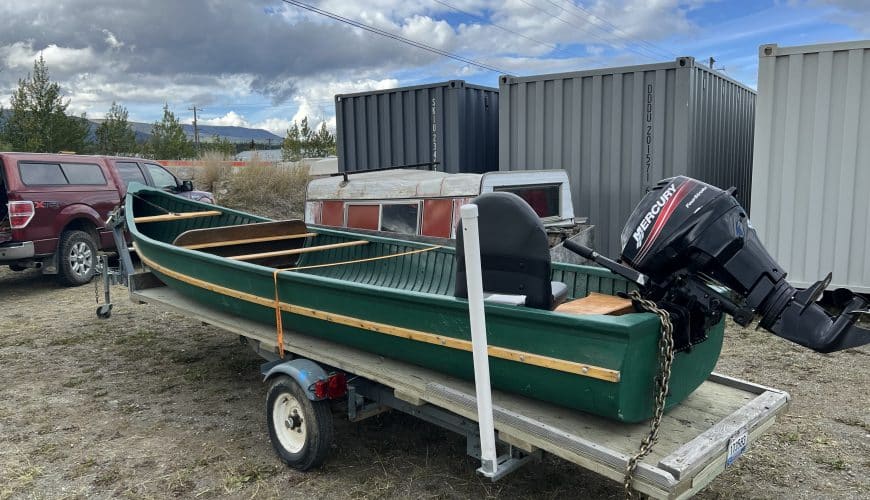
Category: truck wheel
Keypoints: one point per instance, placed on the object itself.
(77, 258)
(300, 429)
(17, 267)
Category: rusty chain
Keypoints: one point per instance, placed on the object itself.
(666, 359)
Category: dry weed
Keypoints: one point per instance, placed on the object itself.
(262, 188)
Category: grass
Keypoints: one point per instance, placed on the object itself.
(247, 473)
(214, 170)
(19, 479)
(269, 190)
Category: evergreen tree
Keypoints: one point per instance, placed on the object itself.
(37, 119)
(291, 148)
(323, 142)
(115, 136)
(219, 145)
(305, 137)
(168, 140)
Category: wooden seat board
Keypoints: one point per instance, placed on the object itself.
(222, 234)
(597, 303)
(247, 241)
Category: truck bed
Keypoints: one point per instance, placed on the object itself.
(693, 439)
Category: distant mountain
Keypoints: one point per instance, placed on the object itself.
(237, 135)
(207, 132)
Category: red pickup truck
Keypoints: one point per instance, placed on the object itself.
(53, 208)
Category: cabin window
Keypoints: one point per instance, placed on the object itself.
(161, 177)
(53, 174)
(84, 174)
(437, 218)
(332, 213)
(363, 216)
(400, 217)
(130, 172)
(544, 200)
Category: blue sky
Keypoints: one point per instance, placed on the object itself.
(265, 63)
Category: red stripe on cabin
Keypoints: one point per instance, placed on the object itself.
(437, 218)
(332, 213)
(364, 216)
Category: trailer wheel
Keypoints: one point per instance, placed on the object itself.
(300, 429)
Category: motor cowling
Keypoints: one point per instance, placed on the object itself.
(690, 238)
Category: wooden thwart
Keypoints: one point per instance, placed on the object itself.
(176, 216)
(296, 251)
(244, 233)
(246, 241)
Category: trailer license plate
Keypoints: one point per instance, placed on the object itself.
(737, 445)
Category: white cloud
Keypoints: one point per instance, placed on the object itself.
(20, 56)
(232, 119)
(277, 126)
(112, 41)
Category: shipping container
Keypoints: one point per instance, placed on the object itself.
(811, 179)
(617, 131)
(451, 124)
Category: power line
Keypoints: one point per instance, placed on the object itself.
(517, 33)
(616, 30)
(569, 23)
(393, 36)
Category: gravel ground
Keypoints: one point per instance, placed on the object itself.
(150, 404)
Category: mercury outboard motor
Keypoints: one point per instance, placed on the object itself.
(690, 247)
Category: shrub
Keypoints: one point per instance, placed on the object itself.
(277, 192)
(216, 168)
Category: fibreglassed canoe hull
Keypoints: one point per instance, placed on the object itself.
(404, 308)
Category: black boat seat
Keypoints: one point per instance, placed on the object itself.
(514, 254)
(560, 293)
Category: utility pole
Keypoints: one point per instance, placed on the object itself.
(712, 61)
(195, 129)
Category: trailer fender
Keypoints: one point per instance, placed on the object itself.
(304, 371)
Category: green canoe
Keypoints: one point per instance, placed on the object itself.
(395, 298)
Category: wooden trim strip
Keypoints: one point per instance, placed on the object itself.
(295, 251)
(176, 216)
(562, 365)
(246, 241)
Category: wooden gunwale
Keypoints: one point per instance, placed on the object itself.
(582, 369)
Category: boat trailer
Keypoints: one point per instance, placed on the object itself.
(689, 454)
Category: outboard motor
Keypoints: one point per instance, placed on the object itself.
(690, 247)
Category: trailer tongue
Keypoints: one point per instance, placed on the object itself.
(687, 240)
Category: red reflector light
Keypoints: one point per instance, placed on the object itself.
(320, 389)
(335, 386)
(20, 213)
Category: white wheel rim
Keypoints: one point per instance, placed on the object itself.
(81, 260)
(289, 423)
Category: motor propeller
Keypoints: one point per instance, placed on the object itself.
(690, 246)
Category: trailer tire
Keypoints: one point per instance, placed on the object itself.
(77, 258)
(300, 429)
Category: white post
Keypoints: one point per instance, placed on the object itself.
(471, 240)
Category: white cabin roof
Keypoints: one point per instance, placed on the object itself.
(389, 184)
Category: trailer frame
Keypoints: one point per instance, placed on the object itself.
(694, 444)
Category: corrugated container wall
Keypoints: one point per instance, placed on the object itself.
(811, 182)
(453, 123)
(617, 131)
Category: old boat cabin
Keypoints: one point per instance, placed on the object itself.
(426, 203)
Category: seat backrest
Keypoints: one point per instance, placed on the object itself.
(514, 250)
